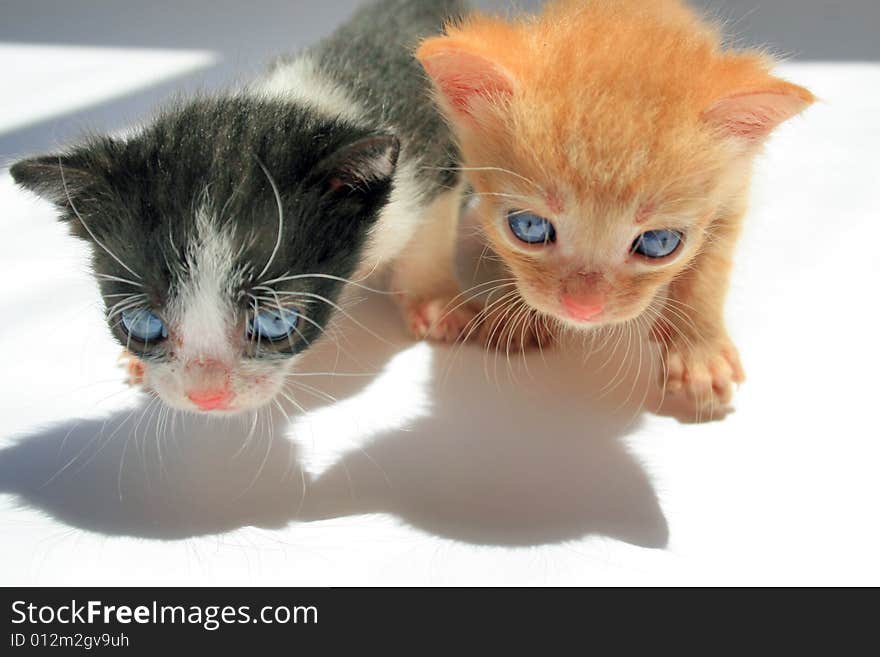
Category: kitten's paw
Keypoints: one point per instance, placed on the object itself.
(442, 319)
(132, 366)
(705, 376)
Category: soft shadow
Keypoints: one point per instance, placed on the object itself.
(108, 476)
(518, 458)
(530, 455)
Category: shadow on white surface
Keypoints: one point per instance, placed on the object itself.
(524, 458)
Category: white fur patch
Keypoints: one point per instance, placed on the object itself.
(203, 306)
(397, 221)
(301, 82)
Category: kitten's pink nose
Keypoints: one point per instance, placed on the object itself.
(583, 307)
(210, 400)
(584, 295)
(206, 383)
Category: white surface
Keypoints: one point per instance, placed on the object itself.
(46, 81)
(450, 468)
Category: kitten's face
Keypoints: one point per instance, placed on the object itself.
(605, 141)
(591, 253)
(221, 235)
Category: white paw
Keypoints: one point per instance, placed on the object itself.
(705, 376)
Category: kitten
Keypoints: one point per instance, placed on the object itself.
(224, 230)
(611, 144)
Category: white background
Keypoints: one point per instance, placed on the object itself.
(437, 466)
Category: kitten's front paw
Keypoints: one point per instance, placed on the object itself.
(704, 375)
(132, 366)
(442, 319)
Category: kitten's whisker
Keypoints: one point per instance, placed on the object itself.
(473, 324)
(280, 407)
(330, 277)
(484, 314)
(128, 299)
(470, 298)
(276, 302)
(293, 401)
(108, 277)
(87, 227)
(480, 260)
(612, 383)
(250, 434)
(538, 317)
(517, 197)
(348, 315)
(121, 309)
(615, 330)
(637, 332)
(257, 334)
(499, 328)
(522, 319)
(63, 468)
(280, 217)
(313, 322)
(127, 295)
(315, 391)
(269, 440)
(496, 169)
(651, 359)
(342, 374)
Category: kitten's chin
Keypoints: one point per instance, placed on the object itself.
(232, 409)
(246, 394)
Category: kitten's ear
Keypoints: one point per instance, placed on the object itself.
(469, 83)
(364, 166)
(55, 178)
(752, 115)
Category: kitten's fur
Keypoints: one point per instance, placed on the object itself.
(333, 165)
(612, 118)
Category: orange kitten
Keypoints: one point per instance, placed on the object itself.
(611, 144)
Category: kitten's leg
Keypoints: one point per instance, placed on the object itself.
(701, 361)
(424, 275)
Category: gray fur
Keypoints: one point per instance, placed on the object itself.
(394, 88)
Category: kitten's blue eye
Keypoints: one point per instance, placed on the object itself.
(143, 325)
(273, 325)
(657, 243)
(530, 228)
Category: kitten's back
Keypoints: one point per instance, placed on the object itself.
(365, 72)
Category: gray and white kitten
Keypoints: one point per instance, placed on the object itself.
(224, 230)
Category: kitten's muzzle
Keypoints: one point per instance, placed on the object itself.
(207, 384)
(584, 296)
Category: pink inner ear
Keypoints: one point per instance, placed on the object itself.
(753, 116)
(462, 77)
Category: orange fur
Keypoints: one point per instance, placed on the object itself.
(611, 118)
